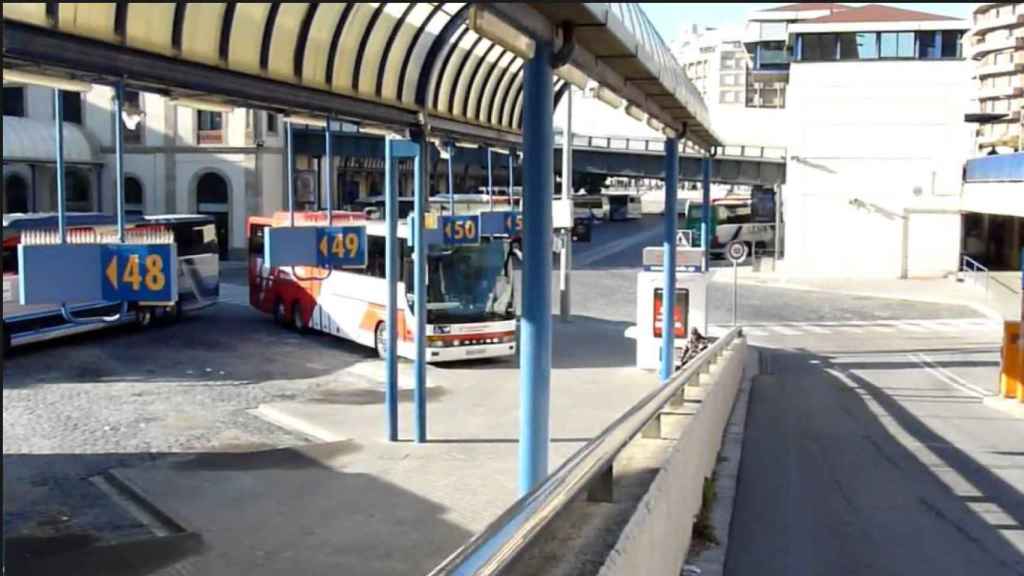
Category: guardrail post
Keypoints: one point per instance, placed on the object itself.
(601, 488)
(652, 430)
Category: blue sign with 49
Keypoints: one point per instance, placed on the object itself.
(341, 247)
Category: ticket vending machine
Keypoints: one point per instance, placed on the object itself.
(690, 303)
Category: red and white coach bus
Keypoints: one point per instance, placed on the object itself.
(470, 300)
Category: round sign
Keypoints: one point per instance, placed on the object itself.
(736, 251)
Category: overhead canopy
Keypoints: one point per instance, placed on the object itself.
(378, 62)
(31, 141)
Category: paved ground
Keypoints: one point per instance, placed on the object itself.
(871, 453)
(170, 410)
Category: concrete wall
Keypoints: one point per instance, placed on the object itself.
(657, 537)
(994, 198)
(868, 141)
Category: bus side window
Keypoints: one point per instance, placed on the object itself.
(10, 260)
(256, 232)
(376, 263)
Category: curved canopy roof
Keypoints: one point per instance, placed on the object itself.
(382, 62)
(27, 140)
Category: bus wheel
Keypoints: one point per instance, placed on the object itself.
(143, 316)
(380, 340)
(297, 322)
(279, 312)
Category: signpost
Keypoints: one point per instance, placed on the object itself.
(737, 253)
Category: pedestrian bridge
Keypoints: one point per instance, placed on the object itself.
(644, 158)
(630, 156)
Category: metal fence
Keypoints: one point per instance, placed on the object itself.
(589, 470)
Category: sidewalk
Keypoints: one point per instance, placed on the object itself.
(353, 503)
(935, 290)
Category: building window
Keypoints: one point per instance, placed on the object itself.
(896, 44)
(271, 124)
(211, 127)
(72, 104)
(133, 195)
(132, 117)
(951, 44)
(858, 46)
(818, 47)
(15, 194)
(14, 101)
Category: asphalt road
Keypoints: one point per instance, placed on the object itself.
(818, 456)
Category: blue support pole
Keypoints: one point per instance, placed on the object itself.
(58, 123)
(329, 171)
(668, 296)
(705, 213)
(490, 181)
(119, 157)
(511, 177)
(391, 253)
(451, 179)
(535, 351)
(420, 306)
(290, 169)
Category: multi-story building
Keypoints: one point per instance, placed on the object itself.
(222, 161)
(876, 143)
(992, 205)
(714, 59)
(996, 44)
(766, 39)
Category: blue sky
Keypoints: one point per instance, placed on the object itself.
(669, 18)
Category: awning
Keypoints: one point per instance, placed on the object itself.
(381, 62)
(31, 141)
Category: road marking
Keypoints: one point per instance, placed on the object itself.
(948, 377)
(814, 328)
(910, 326)
(784, 330)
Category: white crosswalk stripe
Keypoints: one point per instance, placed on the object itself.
(944, 326)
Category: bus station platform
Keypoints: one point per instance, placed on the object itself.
(351, 502)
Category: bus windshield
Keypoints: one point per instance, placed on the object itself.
(469, 284)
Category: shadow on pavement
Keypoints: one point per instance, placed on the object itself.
(219, 344)
(269, 512)
(825, 486)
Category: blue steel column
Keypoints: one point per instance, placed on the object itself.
(705, 212)
(490, 181)
(511, 178)
(290, 169)
(535, 351)
(420, 306)
(119, 157)
(451, 179)
(58, 123)
(668, 295)
(391, 273)
(329, 171)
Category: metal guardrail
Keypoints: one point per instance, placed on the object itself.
(976, 269)
(590, 469)
(657, 146)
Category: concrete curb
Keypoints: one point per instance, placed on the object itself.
(711, 562)
(1010, 406)
(295, 424)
